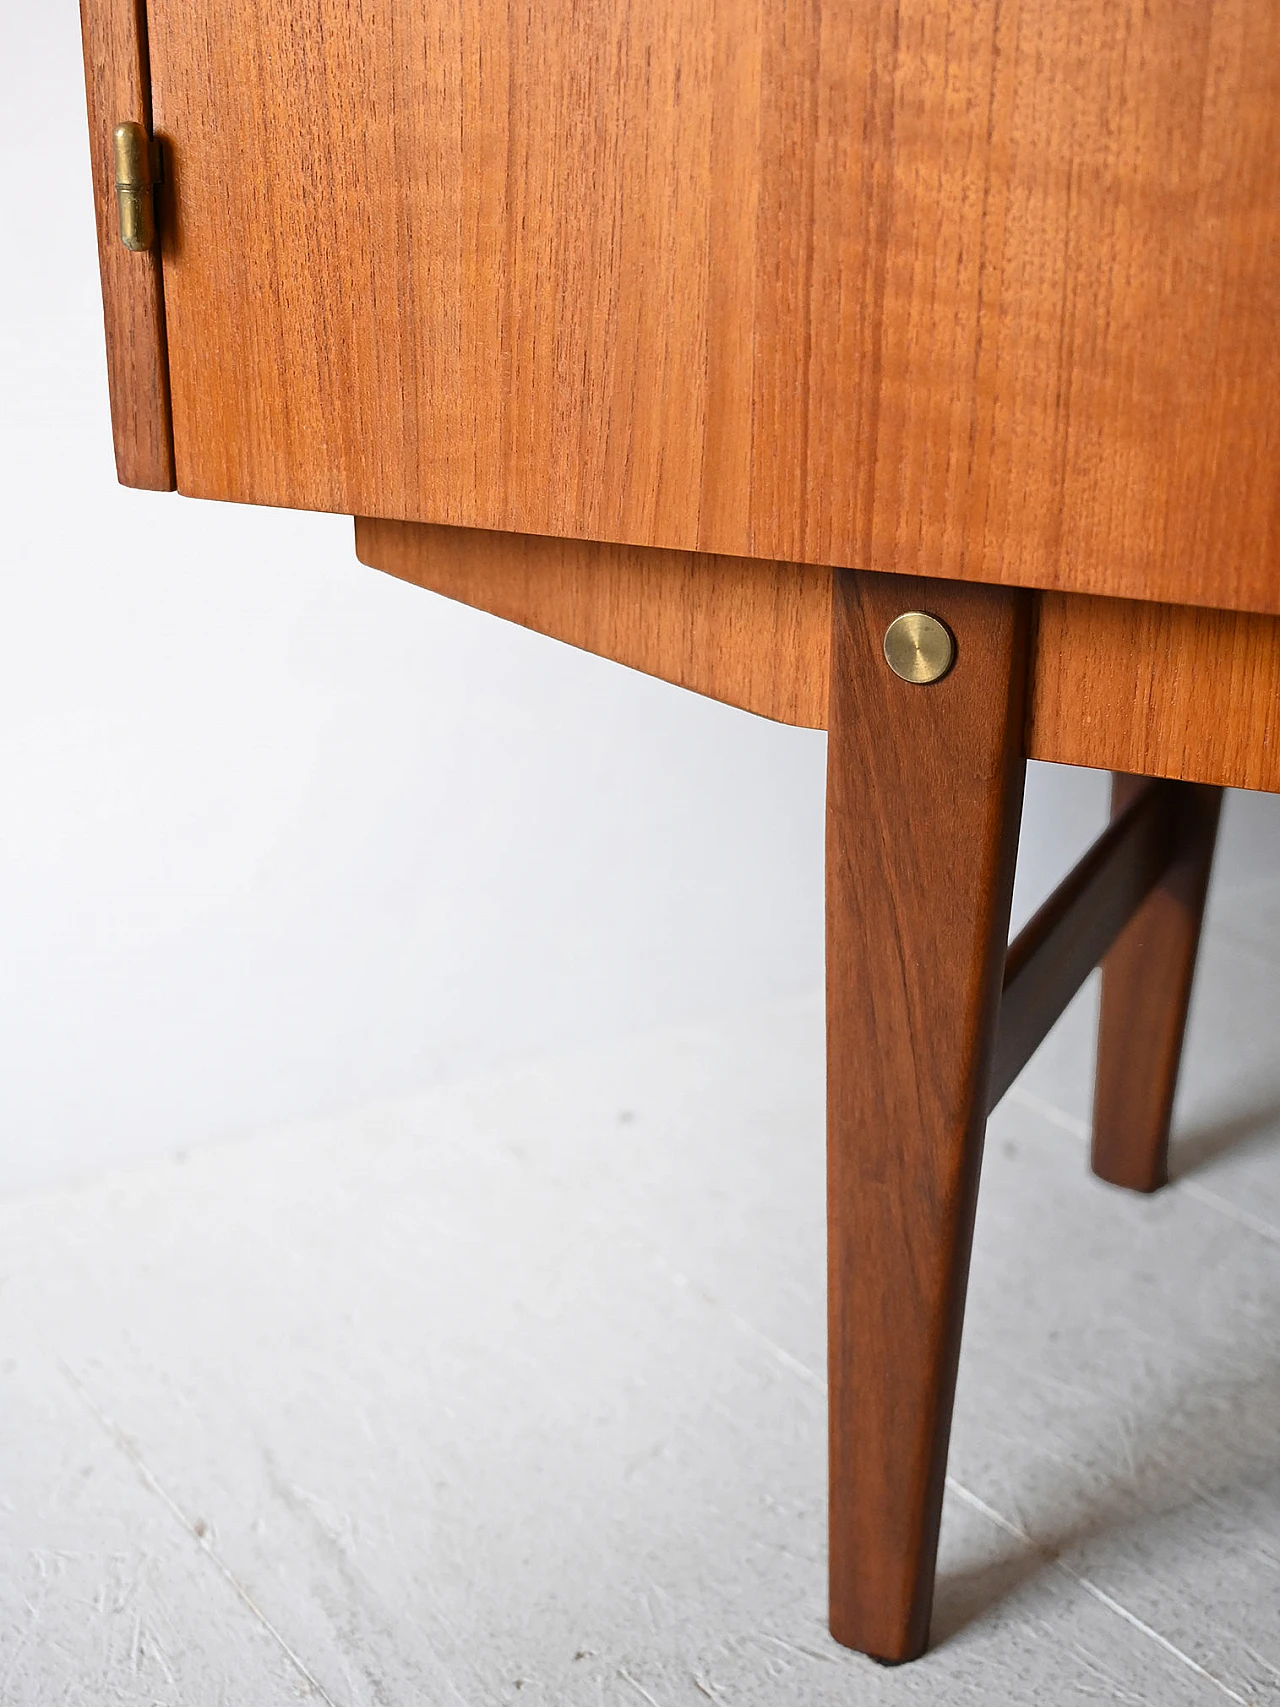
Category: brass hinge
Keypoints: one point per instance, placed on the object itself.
(137, 160)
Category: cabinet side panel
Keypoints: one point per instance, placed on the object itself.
(978, 289)
(117, 89)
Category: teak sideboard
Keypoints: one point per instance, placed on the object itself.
(904, 368)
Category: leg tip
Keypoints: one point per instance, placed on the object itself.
(885, 1649)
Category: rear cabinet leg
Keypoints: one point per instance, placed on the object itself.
(924, 793)
(1146, 990)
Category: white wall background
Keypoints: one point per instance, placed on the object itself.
(281, 834)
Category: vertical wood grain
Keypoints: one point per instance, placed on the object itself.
(985, 292)
(1157, 690)
(1146, 992)
(924, 792)
(117, 88)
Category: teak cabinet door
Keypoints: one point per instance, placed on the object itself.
(984, 289)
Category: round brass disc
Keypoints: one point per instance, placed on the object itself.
(918, 648)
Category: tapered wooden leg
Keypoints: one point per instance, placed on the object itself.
(924, 794)
(1146, 990)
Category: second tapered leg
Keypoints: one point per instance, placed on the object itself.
(1146, 991)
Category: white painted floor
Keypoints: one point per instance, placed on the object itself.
(514, 1392)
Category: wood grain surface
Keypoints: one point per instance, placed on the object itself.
(756, 635)
(1157, 691)
(117, 88)
(924, 796)
(1146, 992)
(982, 291)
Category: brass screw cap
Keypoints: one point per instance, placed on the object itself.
(918, 648)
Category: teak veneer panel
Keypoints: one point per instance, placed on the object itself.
(1157, 690)
(756, 635)
(979, 289)
(117, 88)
